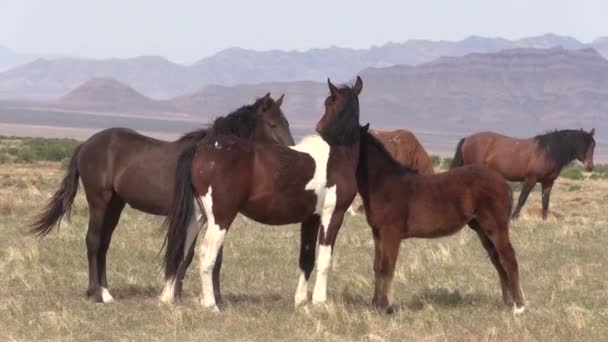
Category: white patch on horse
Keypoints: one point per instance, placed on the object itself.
(106, 297)
(329, 205)
(318, 150)
(212, 242)
(301, 291)
(518, 310)
(319, 295)
(168, 291)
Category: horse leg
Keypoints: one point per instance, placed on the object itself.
(173, 286)
(507, 258)
(308, 244)
(215, 276)
(546, 193)
(389, 251)
(377, 265)
(331, 220)
(507, 296)
(97, 211)
(110, 221)
(523, 196)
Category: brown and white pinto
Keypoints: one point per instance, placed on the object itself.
(312, 183)
(532, 160)
(400, 204)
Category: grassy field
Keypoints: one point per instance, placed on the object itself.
(446, 289)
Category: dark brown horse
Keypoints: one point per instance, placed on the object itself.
(312, 183)
(537, 159)
(119, 166)
(404, 148)
(401, 204)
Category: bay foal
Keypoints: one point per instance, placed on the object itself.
(401, 204)
(119, 166)
(312, 183)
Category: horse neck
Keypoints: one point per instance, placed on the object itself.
(373, 170)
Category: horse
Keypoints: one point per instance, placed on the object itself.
(119, 166)
(532, 160)
(312, 183)
(405, 148)
(401, 204)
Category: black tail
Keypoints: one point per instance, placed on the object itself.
(61, 203)
(181, 212)
(458, 161)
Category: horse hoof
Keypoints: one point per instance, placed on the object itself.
(105, 296)
(518, 310)
(390, 310)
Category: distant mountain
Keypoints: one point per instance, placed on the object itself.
(104, 94)
(159, 78)
(518, 91)
(10, 59)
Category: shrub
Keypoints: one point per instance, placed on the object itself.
(447, 162)
(436, 160)
(572, 172)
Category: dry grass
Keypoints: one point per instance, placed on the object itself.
(446, 289)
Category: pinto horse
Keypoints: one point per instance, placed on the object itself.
(312, 183)
(119, 166)
(537, 159)
(401, 204)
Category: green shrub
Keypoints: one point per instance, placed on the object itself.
(436, 160)
(572, 172)
(447, 162)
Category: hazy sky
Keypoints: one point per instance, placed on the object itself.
(186, 30)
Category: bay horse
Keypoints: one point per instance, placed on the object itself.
(119, 166)
(312, 183)
(405, 148)
(532, 160)
(401, 204)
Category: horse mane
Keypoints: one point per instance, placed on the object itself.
(345, 129)
(370, 145)
(240, 122)
(563, 146)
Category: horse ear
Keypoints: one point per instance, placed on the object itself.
(592, 132)
(332, 88)
(279, 101)
(266, 102)
(358, 86)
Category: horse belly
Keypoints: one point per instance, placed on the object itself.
(434, 219)
(279, 209)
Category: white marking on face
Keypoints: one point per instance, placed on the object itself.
(319, 295)
(212, 242)
(106, 297)
(318, 150)
(168, 291)
(301, 291)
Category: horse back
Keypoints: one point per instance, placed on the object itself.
(516, 159)
(405, 148)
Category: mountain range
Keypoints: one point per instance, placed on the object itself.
(156, 77)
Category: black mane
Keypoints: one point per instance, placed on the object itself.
(345, 129)
(372, 147)
(563, 146)
(241, 123)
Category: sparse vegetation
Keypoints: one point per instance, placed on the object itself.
(29, 150)
(445, 289)
(446, 162)
(436, 160)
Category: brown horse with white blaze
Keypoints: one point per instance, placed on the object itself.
(401, 204)
(119, 166)
(532, 160)
(312, 182)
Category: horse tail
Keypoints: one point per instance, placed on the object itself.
(60, 204)
(458, 160)
(180, 214)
